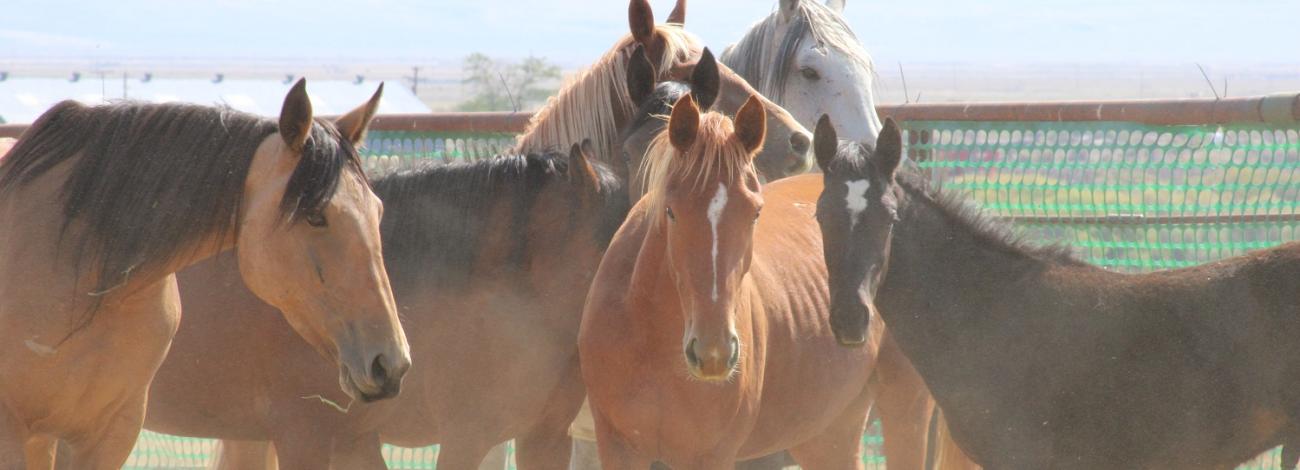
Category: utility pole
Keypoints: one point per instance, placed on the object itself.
(415, 81)
(124, 95)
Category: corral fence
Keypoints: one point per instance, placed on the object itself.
(1133, 185)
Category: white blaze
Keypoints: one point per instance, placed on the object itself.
(855, 199)
(715, 214)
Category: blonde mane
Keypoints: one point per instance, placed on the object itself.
(715, 155)
(585, 107)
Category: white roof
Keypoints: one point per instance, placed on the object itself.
(22, 100)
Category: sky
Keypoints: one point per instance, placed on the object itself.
(1235, 32)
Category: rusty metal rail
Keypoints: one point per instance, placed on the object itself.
(1278, 108)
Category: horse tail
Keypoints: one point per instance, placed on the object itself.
(947, 456)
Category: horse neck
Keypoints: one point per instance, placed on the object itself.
(941, 271)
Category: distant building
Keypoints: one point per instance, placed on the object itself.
(22, 100)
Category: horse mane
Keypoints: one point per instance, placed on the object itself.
(716, 154)
(657, 106)
(958, 208)
(154, 178)
(584, 108)
(827, 27)
(438, 215)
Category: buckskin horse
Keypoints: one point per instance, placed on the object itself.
(1040, 360)
(99, 206)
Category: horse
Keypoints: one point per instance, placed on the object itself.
(100, 206)
(1041, 360)
(529, 409)
(494, 243)
(703, 339)
(805, 57)
(673, 54)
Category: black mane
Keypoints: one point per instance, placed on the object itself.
(149, 179)
(437, 215)
(959, 209)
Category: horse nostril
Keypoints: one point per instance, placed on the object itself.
(377, 370)
(691, 358)
(799, 143)
(735, 352)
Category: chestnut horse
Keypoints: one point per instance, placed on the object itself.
(99, 206)
(704, 337)
(1040, 360)
(467, 402)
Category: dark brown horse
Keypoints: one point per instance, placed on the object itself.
(1040, 360)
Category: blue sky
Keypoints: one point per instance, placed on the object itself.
(575, 31)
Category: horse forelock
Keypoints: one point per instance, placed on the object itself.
(716, 155)
(587, 105)
(767, 61)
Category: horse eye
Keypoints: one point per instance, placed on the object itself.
(670, 214)
(316, 219)
(810, 74)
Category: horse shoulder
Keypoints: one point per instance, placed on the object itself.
(614, 276)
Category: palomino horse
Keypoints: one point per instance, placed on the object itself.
(703, 339)
(466, 402)
(1040, 360)
(99, 206)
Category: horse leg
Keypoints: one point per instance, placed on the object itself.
(241, 455)
(615, 453)
(839, 446)
(41, 451)
(109, 448)
(303, 449)
(462, 454)
(547, 446)
(905, 408)
(496, 458)
(13, 438)
(361, 453)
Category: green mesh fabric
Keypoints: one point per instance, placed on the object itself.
(1129, 197)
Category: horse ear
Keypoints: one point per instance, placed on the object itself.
(684, 123)
(889, 149)
(825, 142)
(354, 124)
(835, 5)
(678, 15)
(641, 20)
(705, 81)
(580, 171)
(751, 124)
(640, 76)
(295, 116)
(787, 9)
